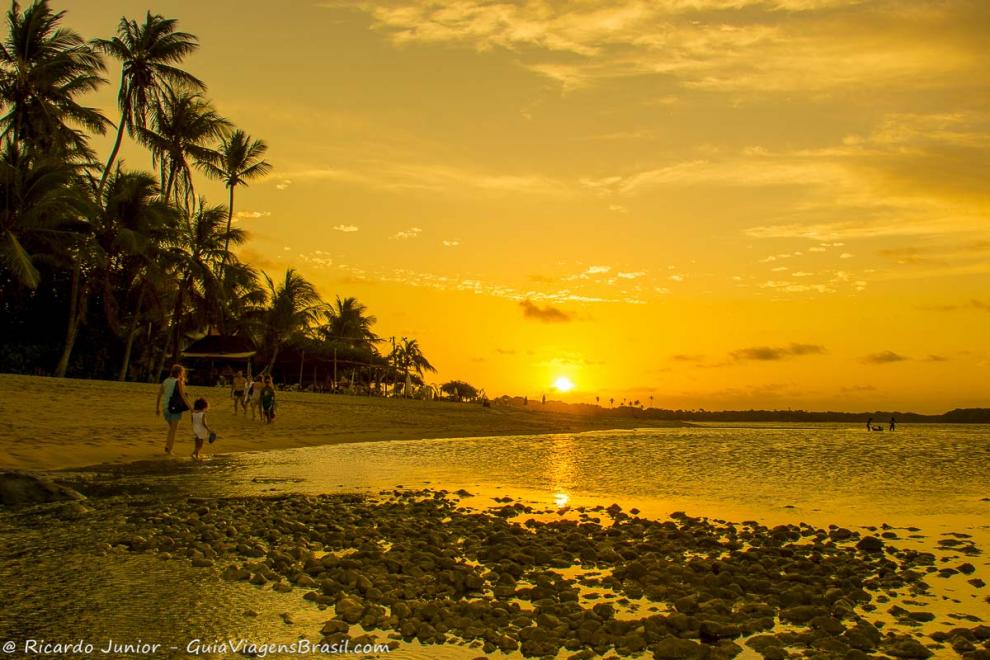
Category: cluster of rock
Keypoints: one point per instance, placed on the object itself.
(416, 566)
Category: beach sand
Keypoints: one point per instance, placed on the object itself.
(49, 423)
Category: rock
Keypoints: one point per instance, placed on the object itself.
(713, 631)
(349, 609)
(21, 488)
(907, 647)
(674, 648)
(870, 544)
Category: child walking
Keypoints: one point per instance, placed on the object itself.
(200, 428)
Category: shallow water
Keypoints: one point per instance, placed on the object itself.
(935, 478)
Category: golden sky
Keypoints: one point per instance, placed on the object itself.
(719, 203)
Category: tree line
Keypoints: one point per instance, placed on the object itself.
(110, 272)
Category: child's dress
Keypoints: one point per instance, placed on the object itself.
(199, 425)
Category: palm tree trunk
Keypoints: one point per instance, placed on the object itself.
(76, 308)
(113, 153)
(131, 334)
(168, 184)
(226, 241)
(174, 326)
(271, 365)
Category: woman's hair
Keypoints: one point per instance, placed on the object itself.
(177, 370)
(200, 404)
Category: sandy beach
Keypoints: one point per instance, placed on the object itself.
(48, 423)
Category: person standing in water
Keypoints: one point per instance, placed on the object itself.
(237, 392)
(173, 391)
(893, 424)
(869, 424)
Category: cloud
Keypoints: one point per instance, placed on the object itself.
(685, 357)
(283, 184)
(936, 358)
(412, 232)
(251, 215)
(345, 228)
(972, 304)
(726, 46)
(631, 276)
(883, 357)
(770, 353)
(545, 314)
(453, 243)
(854, 389)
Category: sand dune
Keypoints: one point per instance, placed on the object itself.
(48, 423)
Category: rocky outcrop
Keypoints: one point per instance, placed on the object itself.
(22, 488)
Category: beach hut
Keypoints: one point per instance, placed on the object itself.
(230, 352)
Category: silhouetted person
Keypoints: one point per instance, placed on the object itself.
(525, 400)
(893, 424)
(544, 400)
(869, 424)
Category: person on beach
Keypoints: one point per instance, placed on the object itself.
(201, 430)
(253, 396)
(173, 391)
(237, 391)
(267, 400)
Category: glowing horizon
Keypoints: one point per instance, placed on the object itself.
(722, 205)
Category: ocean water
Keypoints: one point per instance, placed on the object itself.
(773, 473)
(933, 479)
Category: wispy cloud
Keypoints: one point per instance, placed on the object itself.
(728, 46)
(345, 228)
(883, 357)
(412, 232)
(545, 314)
(451, 243)
(250, 215)
(770, 353)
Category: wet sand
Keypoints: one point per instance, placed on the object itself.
(48, 423)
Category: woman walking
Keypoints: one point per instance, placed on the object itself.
(173, 391)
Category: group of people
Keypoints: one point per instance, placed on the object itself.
(879, 427)
(257, 395)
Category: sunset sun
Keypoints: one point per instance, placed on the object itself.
(563, 384)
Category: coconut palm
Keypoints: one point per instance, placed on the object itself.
(409, 357)
(130, 232)
(347, 323)
(148, 53)
(43, 68)
(237, 160)
(290, 311)
(42, 211)
(197, 255)
(183, 125)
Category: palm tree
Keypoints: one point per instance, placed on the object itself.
(148, 54)
(235, 162)
(130, 233)
(291, 310)
(409, 356)
(347, 323)
(196, 256)
(43, 68)
(42, 211)
(183, 125)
